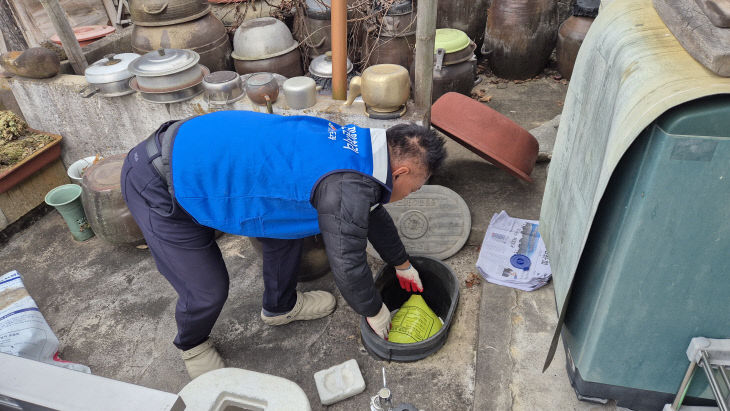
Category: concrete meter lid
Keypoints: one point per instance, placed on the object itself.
(433, 222)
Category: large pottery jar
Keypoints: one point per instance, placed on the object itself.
(570, 37)
(206, 36)
(105, 208)
(520, 36)
(313, 263)
(166, 12)
(393, 40)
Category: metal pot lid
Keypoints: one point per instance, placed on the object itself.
(321, 66)
(451, 40)
(111, 68)
(163, 62)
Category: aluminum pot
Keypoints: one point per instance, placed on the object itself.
(321, 66)
(167, 70)
(109, 77)
(171, 96)
(288, 65)
(206, 36)
(300, 92)
(166, 12)
(223, 87)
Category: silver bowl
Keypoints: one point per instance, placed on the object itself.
(223, 87)
(262, 38)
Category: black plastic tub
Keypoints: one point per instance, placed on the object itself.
(441, 293)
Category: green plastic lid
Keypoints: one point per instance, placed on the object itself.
(451, 40)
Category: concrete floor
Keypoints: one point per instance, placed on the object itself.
(112, 310)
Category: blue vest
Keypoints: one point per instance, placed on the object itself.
(254, 174)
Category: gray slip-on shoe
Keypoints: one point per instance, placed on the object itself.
(201, 359)
(310, 305)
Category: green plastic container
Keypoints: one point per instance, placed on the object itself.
(654, 273)
(67, 200)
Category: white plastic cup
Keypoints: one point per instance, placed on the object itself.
(76, 170)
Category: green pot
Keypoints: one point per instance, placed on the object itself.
(67, 200)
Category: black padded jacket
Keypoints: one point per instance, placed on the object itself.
(350, 214)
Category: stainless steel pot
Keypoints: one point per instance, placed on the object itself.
(206, 36)
(321, 66)
(166, 12)
(167, 70)
(109, 77)
(172, 96)
(113, 89)
(223, 87)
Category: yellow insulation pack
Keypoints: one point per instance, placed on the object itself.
(414, 322)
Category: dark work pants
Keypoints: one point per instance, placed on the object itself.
(187, 255)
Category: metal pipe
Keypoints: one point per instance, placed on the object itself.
(339, 49)
(684, 386)
(724, 376)
(721, 403)
(425, 38)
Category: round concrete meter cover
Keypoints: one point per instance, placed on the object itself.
(434, 222)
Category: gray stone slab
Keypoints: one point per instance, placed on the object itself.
(545, 135)
(434, 222)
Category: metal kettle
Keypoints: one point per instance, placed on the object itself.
(385, 88)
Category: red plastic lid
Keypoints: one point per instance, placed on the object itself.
(486, 132)
(86, 33)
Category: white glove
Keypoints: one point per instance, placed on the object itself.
(409, 279)
(380, 323)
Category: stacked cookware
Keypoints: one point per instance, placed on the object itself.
(168, 75)
(455, 64)
(266, 45)
(180, 24)
(110, 76)
(393, 39)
